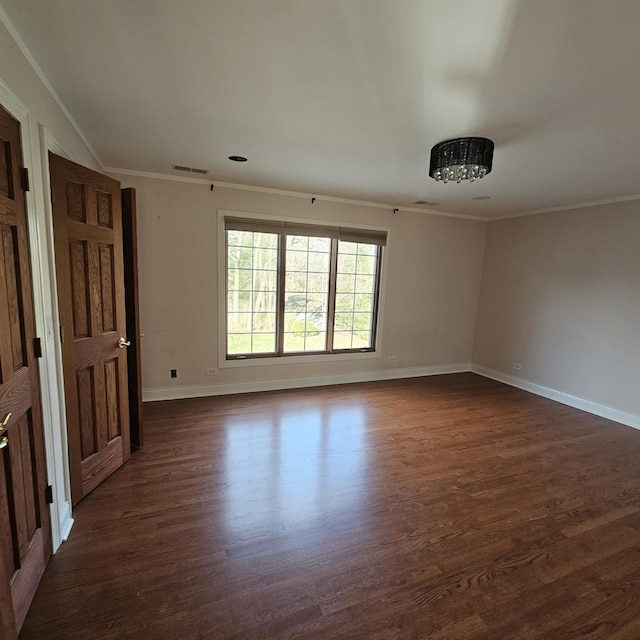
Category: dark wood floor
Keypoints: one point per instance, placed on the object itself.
(446, 507)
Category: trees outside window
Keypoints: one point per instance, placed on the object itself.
(297, 289)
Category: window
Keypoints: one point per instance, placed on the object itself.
(297, 289)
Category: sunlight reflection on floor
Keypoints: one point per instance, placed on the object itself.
(280, 472)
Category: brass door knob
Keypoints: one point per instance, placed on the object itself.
(122, 343)
(5, 421)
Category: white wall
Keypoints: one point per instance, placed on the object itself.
(561, 295)
(430, 299)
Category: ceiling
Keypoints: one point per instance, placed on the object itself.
(345, 98)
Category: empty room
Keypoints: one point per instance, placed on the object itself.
(319, 320)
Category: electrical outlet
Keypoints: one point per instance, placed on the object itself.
(392, 359)
(174, 373)
(517, 366)
(212, 372)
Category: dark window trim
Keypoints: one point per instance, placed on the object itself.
(364, 236)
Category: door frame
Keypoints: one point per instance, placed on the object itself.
(61, 480)
(45, 300)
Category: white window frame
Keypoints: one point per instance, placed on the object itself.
(223, 362)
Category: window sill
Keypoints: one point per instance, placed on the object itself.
(289, 360)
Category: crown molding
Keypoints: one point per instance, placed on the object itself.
(282, 192)
(568, 207)
(6, 21)
(4, 18)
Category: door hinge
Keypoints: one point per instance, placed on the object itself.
(24, 176)
(48, 494)
(37, 347)
(61, 334)
(52, 194)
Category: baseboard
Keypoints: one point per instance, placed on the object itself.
(66, 522)
(61, 523)
(629, 419)
(176, 393)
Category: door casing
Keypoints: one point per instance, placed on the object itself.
(36, 143)
(28, 522)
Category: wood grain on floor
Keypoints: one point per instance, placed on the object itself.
(449, 507)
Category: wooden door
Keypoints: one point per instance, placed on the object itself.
(87, 224)
(130, 250)
(25, 528)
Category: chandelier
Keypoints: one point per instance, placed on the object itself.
(461, 159)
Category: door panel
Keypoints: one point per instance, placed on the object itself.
(25, 530)
(87, 221)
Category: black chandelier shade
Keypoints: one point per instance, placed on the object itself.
(461, 159)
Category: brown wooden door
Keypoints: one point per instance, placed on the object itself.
(87, 224)
(130, 251)
(25, 528)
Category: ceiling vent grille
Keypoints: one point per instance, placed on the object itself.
(179, 167)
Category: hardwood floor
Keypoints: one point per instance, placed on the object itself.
(449, 507)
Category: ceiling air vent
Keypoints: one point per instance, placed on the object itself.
(179, 167)
(426, 202)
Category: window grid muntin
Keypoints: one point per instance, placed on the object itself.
(296, 246)
(252, 341)
(373, 251)
(351, 323)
